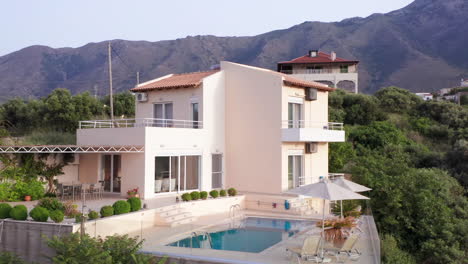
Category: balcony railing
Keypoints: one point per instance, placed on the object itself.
(307, 124)
(140, 122)
(316, 71)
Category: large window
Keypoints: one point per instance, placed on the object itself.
(295, 115)
(162, 112)
(217, 171)
(344, 69)
(176, 173)
(295, 171)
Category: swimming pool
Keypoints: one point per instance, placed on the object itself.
(252, 235)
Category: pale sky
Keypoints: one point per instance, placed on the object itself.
(73, 23)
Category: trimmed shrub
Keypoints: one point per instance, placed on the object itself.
(79, 218)
(214, 193)
(5, 210)
(195, 195)
(107, 211)
(232, 192)
(93, 215)
(39, 214)
(121, 207)
(186, 197)
(203, 195)
(19, 212)
(222, 193)
(135, 204)
(51, 204)
(57, 216)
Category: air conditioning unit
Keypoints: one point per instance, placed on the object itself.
(311, 147)
(76, 159)
(142, 97)
(311, 94)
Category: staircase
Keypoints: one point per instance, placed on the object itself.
(173, 215)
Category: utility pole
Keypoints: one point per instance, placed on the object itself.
(111, 99)
(138, 78)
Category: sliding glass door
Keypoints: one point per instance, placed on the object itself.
(111, 173)
(295, 171)
(176, 173)
(294, 115)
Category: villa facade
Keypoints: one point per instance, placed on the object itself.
(324, 68)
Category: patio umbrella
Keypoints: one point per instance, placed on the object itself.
(352, 186)
(326, 190)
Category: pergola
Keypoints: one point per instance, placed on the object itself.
(71, 149)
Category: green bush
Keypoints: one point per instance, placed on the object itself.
(57, 216)
(214, 193)
(50, 194)
(19, 212)
(121, 207)
(107, 211)
(203, 195)
(10, 258)
(39, 214)
(33, 188)
(93, 215)
(222, 193)
(5, 210)
(6, 189)
(195, 195)
(186, 197)
(79, 218)
(51, 204)
(135, 203)
(232, 192)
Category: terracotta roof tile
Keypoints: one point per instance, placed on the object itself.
(288, 80)
(183, 80)
(321, 58)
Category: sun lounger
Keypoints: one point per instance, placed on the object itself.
(348, 249)
(310, 249)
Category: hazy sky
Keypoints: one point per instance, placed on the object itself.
(67, 23)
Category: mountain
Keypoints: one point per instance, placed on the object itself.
(421, 47)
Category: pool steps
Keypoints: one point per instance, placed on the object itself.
(173, 215)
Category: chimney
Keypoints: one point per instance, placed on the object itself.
(313, 53)
(333, 56)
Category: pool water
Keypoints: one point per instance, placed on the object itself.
(253, 235)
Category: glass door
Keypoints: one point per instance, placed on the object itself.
(111, 175)
(294, 115)
(295, 171)
(163, 113)
(176, 173)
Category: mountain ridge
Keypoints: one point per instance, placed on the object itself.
(420, 47)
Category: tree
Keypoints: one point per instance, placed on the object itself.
(60, 112)
(124, 104)
(391, 253)
(397, 100)
(377, 135)
(339, 155)
(361, 109)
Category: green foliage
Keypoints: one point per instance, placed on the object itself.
(195, 195)
(339, 155)
(33, 188)
(5, 210)
(93, 215)
(135, 203)
(203, 195)
(397, 100)
(113, 249)
(79, 218)
(57, 216)
(38, 137)
(214, 193)
(121, 207)
(70, 210)
(391, 253)
(6, 191)
(10, 258)
(361, 109)
(222, 193)
(39, 214)
(349, 208)
(232, 192)
(107, 210)
(19, 212)
(186, 197)
(51, 204)
(124, 104)
(377, 135)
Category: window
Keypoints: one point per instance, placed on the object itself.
(176, 173)
(162, 112)
(195, 118)
(344, 69)
(295, 173)
(294, 115)
(217, 171)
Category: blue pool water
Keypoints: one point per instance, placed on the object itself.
(253, 235)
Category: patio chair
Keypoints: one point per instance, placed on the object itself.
(348, 249)
(97, 190)
(64, 191)
(310, 249)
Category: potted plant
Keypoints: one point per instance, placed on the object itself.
(334, 228)
(133, 193)
(27, 198)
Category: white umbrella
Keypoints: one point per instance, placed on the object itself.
(352, 186)
(326, 190)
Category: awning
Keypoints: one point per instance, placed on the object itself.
(71, 149)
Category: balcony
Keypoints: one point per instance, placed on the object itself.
(140, 122)
(317, 71)
(305, 131)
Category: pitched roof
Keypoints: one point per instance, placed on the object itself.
(288, 80)
(183, 80)
(322, 57)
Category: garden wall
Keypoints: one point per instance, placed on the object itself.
(26, 238)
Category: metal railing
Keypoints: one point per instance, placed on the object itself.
(308, 124)
(316, 71)
(140, 122)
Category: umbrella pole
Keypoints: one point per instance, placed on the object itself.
(341, 208)
(323, 227)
